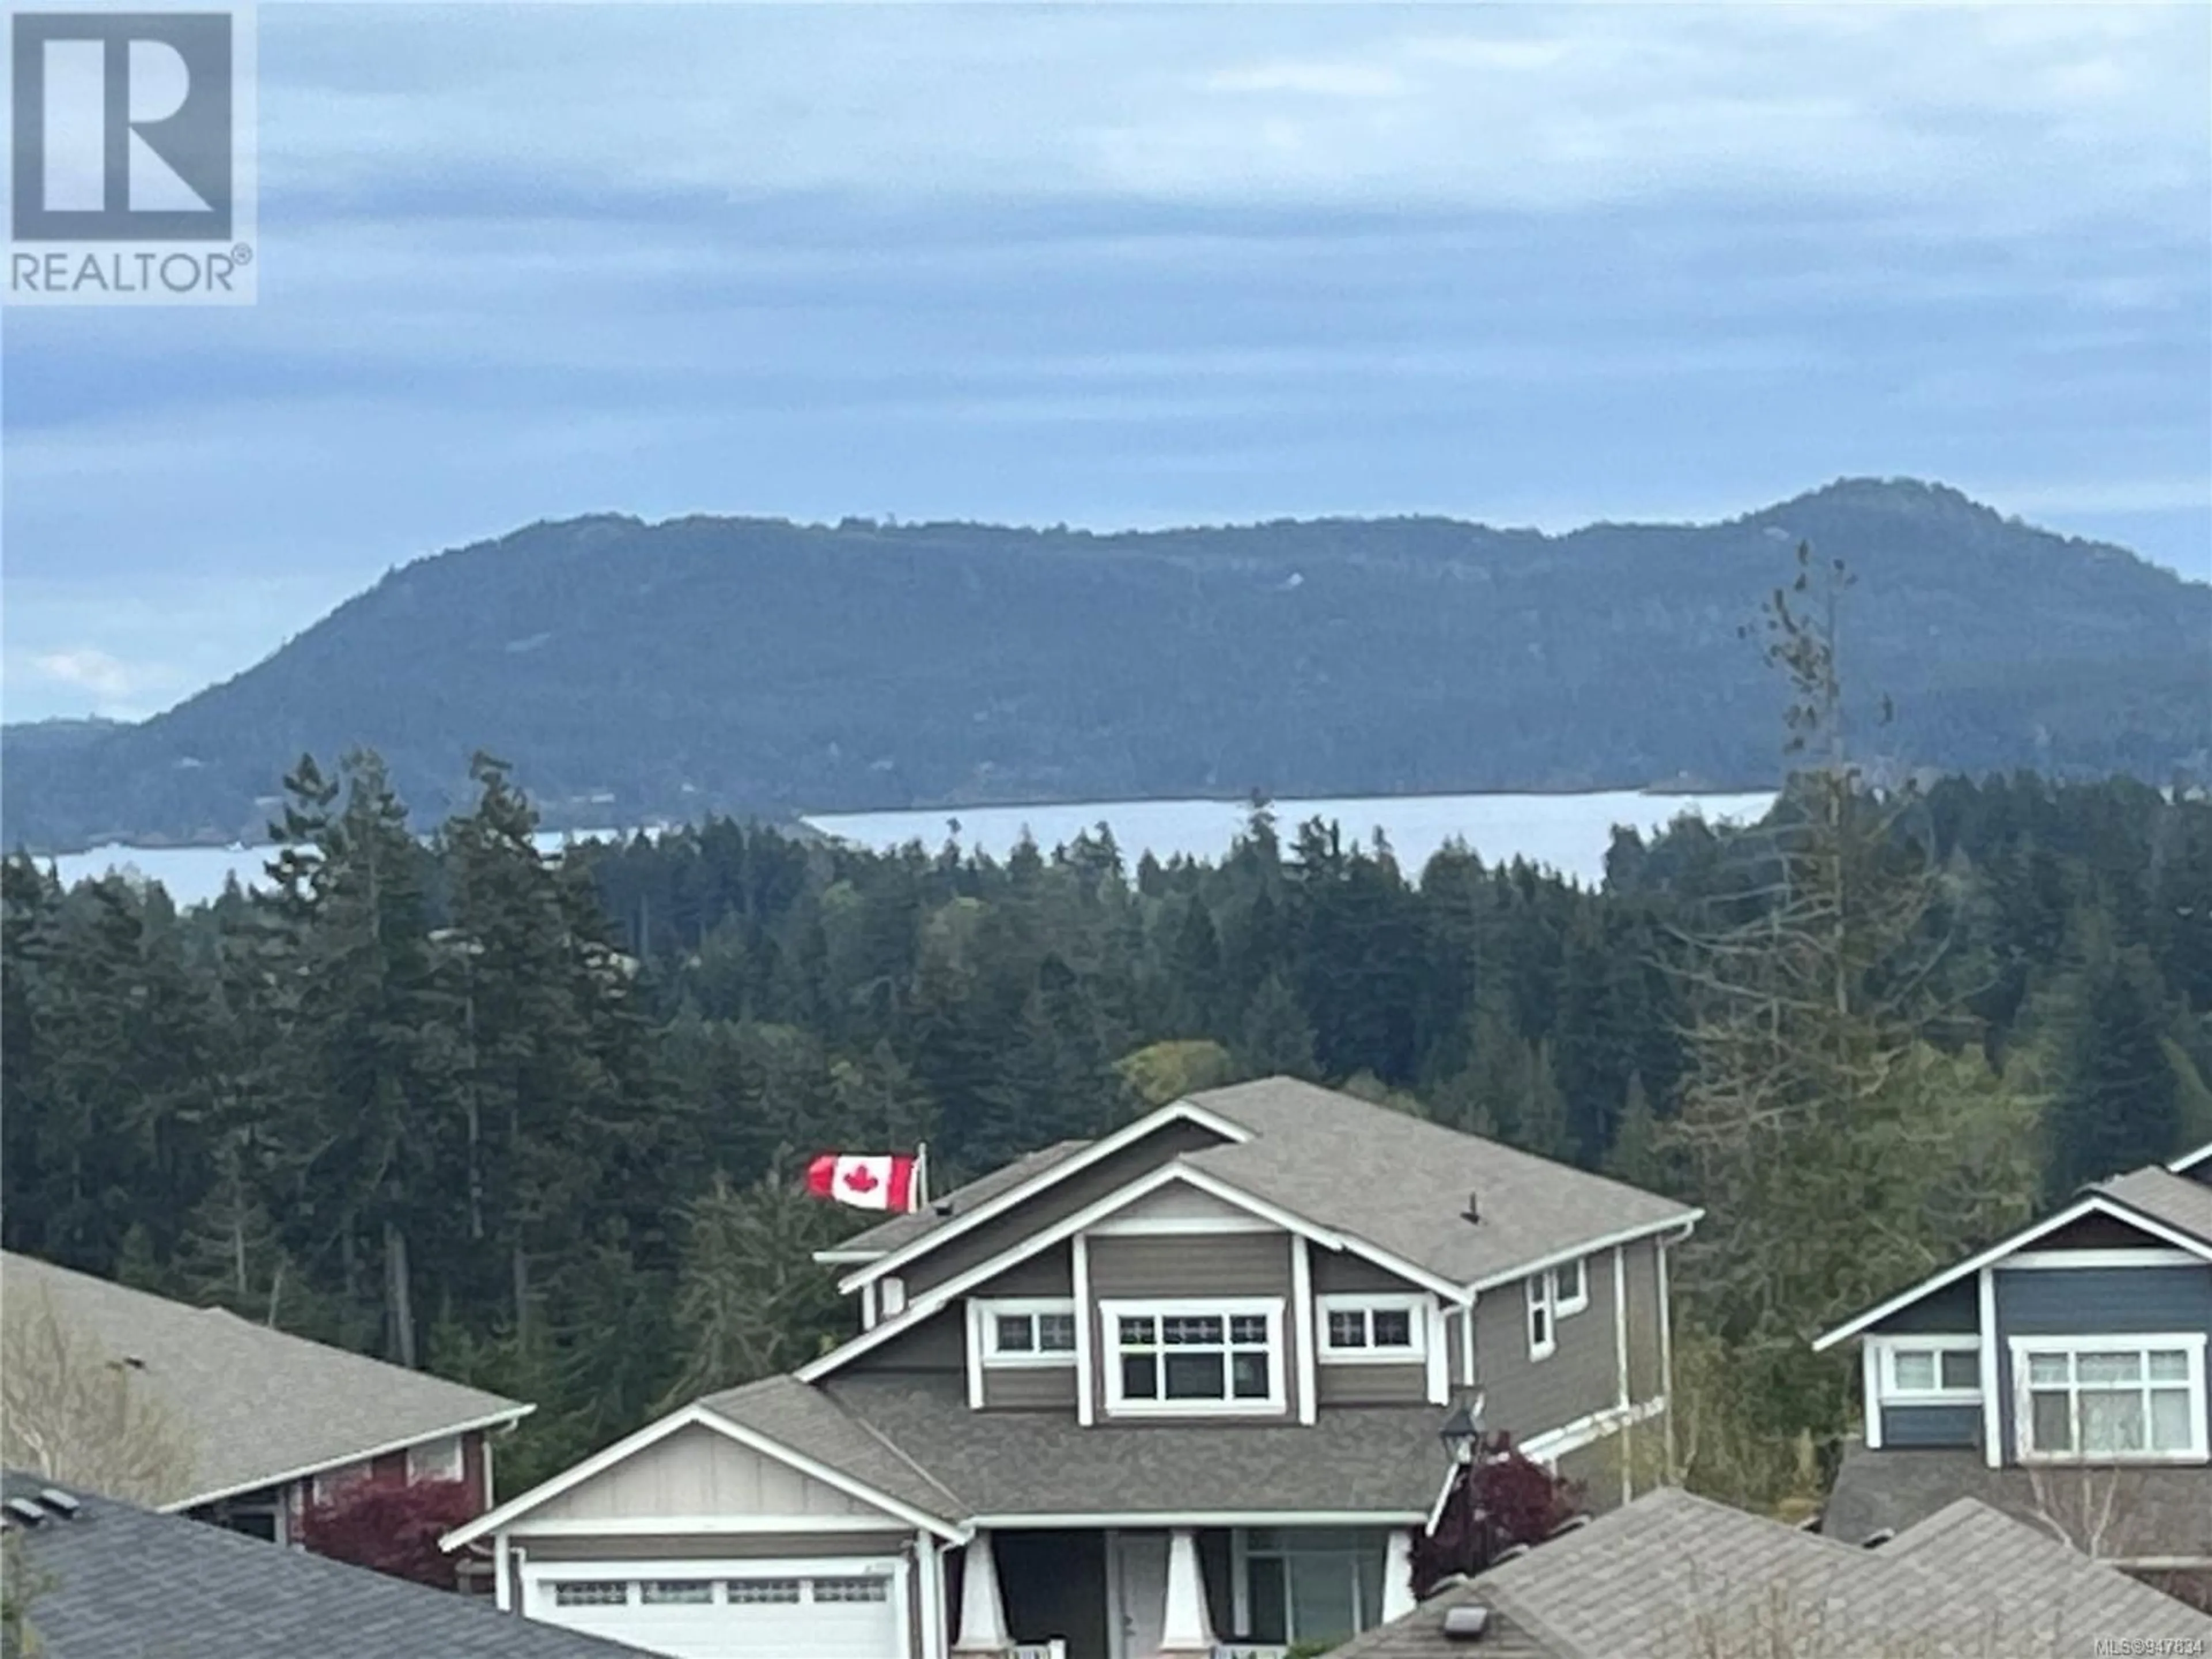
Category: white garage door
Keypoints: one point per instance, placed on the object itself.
(785, 1610)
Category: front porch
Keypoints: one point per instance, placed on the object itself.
(1191, 1592)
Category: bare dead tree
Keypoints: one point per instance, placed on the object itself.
(73, 1412)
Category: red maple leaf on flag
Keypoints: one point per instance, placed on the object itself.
(861, 1179)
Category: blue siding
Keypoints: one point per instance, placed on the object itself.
(1931, 1425)
(1954, 1311)
(2093, 1301)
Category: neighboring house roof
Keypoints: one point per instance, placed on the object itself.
(1402, 1183)
(902, 1229)
(257, 1406)
(2142, 1513)
(118, 1580)
(2182, 1204)
(2190, 1160)
(1675, 1577)
(1352, 1460)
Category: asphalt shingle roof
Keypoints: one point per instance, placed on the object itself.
(1402, 1182)
(2176, 1200)
(1675, 1577)
(956, 1462)
(2140, 1513)
(254, 1404)
(118, 1581)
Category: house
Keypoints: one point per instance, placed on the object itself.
(1180, 1385)
(91, 1579)
(1675, 1577)
(268, 1422)
(2060, 1374)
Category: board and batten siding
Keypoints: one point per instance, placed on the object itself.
(697, 1471)
(1171, 1266)
(1526, 1398)
(1056, 1203)
(2092, 1302)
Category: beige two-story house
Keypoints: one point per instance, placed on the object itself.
(1176, 1389)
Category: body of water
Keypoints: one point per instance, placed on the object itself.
(1568, 833)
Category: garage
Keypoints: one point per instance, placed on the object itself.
(847, 1609)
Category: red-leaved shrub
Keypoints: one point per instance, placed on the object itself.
(392, 1525)
(1499, 1499)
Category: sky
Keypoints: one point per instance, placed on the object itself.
(1126, 265)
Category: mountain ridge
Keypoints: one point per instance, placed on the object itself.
(636, 671)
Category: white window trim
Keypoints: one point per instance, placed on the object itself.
(1890, 1392)
(538, 1578)
(1538, 1290)
(1112, 1312)
(454, 1467)
(1242, 1552)
(1563, 1306)
(986, 1314)
(2190, 1342)
(1415, 1308)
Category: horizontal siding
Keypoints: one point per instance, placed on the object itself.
(696, 1471)
(939, 1344)
(2093, 1301)
(1180, 1201)
(1056, 1203)
(1954, 1311)
(1340, 1270)
(1029, 1388)
(1049, 1272)
(1402, 1383)
(1641, 1267)
(1202, 1265)
(1525, 1397)
(1931, 1425)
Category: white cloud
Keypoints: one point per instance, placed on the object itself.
(87, 670)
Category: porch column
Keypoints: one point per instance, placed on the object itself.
(1397, 1574)
(982, 1614)
(1186, 1626)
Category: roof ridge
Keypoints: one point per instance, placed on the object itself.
(959, 1504)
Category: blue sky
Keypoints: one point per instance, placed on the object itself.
(1126, 265)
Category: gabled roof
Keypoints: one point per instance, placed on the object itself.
(1402, 1184)
(116, 1579)
(256, 1405)
(2171, 1208)
(1671, 1575)
(2190, 1160)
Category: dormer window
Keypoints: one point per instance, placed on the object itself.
(1214, 1355)
(1030, 1331)
(1365, 1329)
(1543, 1315)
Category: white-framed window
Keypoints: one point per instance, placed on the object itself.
(435, 1460)
(1543, 1315)
(1570, 1287)
(1929, 1371)
(761, 1592)
(1027, 1330)
(332, 1484)
(677, 1592)
(1307, 1583)
(873, 1588)
(2109, 1398)
(1366, 1328)
(590, 1592)
(1215, 1354)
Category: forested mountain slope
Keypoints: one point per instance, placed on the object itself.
(633, 671)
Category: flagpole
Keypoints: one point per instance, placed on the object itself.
(921, 1175)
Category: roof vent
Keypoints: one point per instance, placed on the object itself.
(26, 1512)
(943, 1207)
(1468, 1622)
(1473, 1210)
(61, 1502)
(1573, 1523)
(1875, 1540)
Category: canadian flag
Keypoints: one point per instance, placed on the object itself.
(868, 1181)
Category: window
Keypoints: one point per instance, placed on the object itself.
(435, 1460)
(1543, 1334)
(1193, 1355)
(1310, 1583)
(1931, 1370)
(877, 1589)
(590, 1593)
(1570, 1287)
(2105, 1397)
(1366, 1329)
(1031, 1332)
(761, 1592)
(678, 1592)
